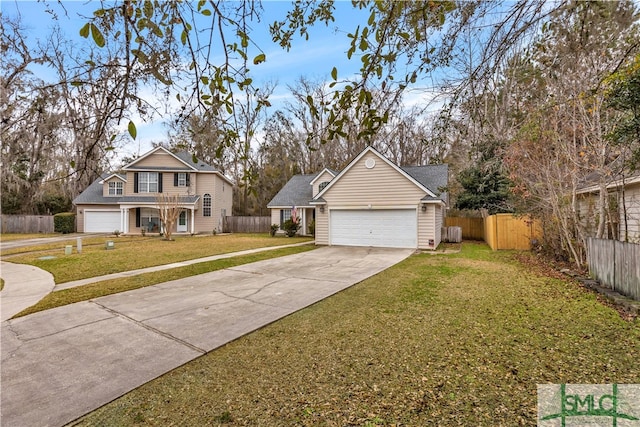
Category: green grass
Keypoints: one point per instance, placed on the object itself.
(108, 287)
(436, 340)
(10, 237)
(134, 252)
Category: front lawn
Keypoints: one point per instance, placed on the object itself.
(10, 237)
(134, 252)
(436, 340)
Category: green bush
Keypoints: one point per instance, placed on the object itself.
(274, 229)
(64, 222)
(312, 227)
(290, 227)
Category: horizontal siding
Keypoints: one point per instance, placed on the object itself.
(159, 159)
(322, 227)
(632, 205)
(381, 186)
(427, 227)
(325, 177)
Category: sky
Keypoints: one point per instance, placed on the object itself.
(313, 58)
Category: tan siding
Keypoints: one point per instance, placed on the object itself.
(275, 216)
(426, 227)
(105, 187)
(325, 177)
(159, 159)
(632, 205)
(221, 200)
(206, 185)
(322, 227)
(381, 186)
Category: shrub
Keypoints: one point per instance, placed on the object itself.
(274, 228)
(312, 227)
(64, 222)
(290, 227)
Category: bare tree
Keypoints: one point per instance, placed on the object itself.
(169, 208)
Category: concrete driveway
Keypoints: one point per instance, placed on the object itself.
(60, 364)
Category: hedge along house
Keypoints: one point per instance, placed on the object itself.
(128, 201)
(371, 202)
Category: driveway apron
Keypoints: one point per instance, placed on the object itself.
(60, 364)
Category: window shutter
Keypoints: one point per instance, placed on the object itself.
(281, 217)
(137, 217)
(175, 179)
(188, 179)
(159, 182)
(135, 182)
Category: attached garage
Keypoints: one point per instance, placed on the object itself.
(390, 228)
(101, 221)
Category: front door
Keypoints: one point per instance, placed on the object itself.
(182, 222)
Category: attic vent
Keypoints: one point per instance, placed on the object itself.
(370, 163)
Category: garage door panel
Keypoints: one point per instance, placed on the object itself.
(378, 228)
(101, 221)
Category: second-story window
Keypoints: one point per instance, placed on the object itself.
(115, 188)
(206, 205)
(182, 179)
(148, 182)
(322, 185)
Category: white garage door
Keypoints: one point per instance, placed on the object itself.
(101, 221)
(379, 228)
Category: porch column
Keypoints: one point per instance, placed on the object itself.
(193, 220)
(126, 221)
(122, 220)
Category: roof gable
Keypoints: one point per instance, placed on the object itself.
(114, 175)
(327, 170)
(372, 150)
(161, 150)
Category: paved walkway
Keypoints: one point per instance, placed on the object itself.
(24, 285)
(60, 364)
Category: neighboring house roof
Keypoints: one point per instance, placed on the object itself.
(591, 183)
(296, 192)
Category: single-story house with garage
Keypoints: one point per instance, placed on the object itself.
(129, 200)
(623, 207)
(371, 202)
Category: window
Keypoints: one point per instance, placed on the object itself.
(148, 182)
(206, 205)
(182, 179)
(115, 188)
(322, 185)
(285, 214)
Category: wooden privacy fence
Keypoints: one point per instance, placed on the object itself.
(27, 224)
(247, 224)
(472, 228)
(507, 231)
(616, 265)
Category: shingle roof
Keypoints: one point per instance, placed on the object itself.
(200, 165)
(434, 177)
(296, 192)
(93, 193)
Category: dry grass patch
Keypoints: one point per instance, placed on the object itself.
(435, 340)
(133, 252)
(10, 237)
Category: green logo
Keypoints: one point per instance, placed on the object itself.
(617, 405)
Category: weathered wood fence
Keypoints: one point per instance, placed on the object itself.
(472, 228)
(27, 224)
(247, 224)
(507, 231)
(616, 265)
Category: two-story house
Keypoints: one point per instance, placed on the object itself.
(128, 200)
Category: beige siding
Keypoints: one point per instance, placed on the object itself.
(381, 186)
(206, 185)
(322, 227)
(427, 227)
(159, 158)
(222, 202)
(632, 205)
(275, 216)
(105, 186)
(325, 177)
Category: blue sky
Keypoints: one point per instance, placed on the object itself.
(313, 59)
